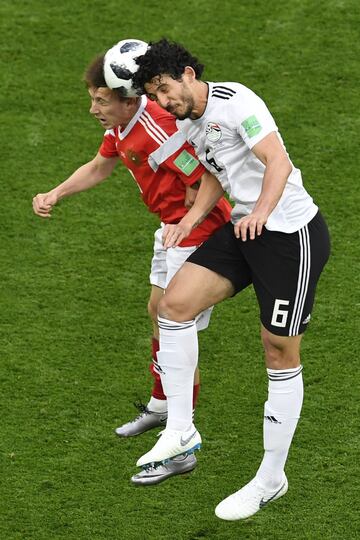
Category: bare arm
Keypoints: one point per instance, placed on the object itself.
(209, 193)
(85, 177)
(191, 193)
(277, 169)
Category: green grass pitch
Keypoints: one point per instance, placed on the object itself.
(75, 337)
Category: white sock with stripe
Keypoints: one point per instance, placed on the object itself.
(281, 415)
(157, 405)
(177, 360)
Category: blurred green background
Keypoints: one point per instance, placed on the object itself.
(75, 337)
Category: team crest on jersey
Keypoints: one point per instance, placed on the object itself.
(134, 157)
(213, 132)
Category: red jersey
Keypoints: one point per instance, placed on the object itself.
(162, 164)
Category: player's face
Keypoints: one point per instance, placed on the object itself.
(173, 95)
(108, 109)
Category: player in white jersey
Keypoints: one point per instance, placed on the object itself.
(225, 151)
(278, 242)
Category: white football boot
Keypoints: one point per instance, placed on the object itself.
(143, 422)
(155, 475)
(170, 444)
(249, 500)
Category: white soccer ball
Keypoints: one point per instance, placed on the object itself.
(120, 65)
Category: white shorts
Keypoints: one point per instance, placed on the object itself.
(164, 265)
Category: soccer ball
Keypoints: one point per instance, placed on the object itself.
(120, 65)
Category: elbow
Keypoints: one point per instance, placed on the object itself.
(283, 166)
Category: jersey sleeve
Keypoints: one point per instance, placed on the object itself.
(177, 156)
(253, 119)
(108, 146)
(185, 164)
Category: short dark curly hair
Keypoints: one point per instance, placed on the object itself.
(164, 57)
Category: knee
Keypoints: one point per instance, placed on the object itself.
(274, 353)
(280, 352)
(173, 310)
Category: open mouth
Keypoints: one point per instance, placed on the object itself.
(101, 119)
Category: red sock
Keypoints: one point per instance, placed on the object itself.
(195, 394)
(157, 390)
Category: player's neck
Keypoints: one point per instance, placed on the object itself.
(132, 110)
(200, 95)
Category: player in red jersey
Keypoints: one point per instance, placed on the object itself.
(145, 138)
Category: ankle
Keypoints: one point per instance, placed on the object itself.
(157, 405)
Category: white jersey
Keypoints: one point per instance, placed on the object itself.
(234, 120)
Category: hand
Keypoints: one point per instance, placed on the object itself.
(174, 234)
(253, 223)
(43, 203)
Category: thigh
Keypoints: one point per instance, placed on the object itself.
(221, 254)
(285, 271)
(192, 290)
(175, 259)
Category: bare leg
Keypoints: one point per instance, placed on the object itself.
(193, 289)
(281, 352)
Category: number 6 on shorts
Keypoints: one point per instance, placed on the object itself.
(279, 316)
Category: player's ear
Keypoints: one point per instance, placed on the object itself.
(131, 101)
(189, 74)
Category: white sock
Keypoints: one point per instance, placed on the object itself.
(157, 405)
(281, 415)
(177, 360)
